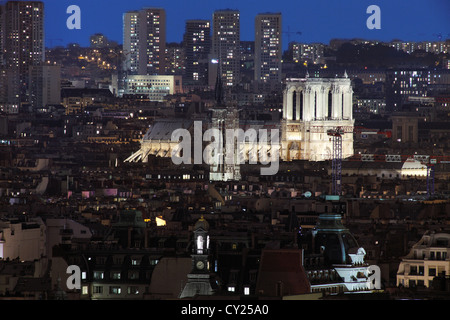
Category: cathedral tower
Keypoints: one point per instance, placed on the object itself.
(312, 107)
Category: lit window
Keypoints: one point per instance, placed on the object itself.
(115, 290)
(84, 290)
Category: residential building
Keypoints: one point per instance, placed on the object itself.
(307, 53)
(427, 259)
(268, 48)
(197, 44)
(98, 40)
(44, 85)
(131, 28)
(23, 240)
(144, 41)
(175, 59)
(23, 44)
(226, 46)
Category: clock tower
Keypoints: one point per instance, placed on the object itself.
(199, 279)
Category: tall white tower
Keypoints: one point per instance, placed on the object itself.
(224, 166)
(311, 107)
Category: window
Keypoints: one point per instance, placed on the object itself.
(84, 290)
(135, 262)
(115, 290)
(432, 272)
(154, 262)
(133, 290)
(97, 289)
(413, 270)
(421, 270)
(98, 275)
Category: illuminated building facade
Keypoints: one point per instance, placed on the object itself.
(157, 141)
(197, 42)
(311, 107)
(307, 53)
(226, 45)
(144, 41)
(268, 49)
(22, 28)
(175, 58)
(334, 262)
(427, 259)
(225, 167)
(131, 41)
(199, 279)
(155, 86)
(98, 40)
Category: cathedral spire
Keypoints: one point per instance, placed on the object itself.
(219, 88)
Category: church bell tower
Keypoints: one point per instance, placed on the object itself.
(199, 279)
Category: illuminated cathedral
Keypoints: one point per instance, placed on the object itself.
(311, 108)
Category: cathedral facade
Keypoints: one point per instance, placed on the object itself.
(311, 108)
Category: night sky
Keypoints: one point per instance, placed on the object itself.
(318, 21)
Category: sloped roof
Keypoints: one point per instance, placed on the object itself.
(283, 269)
(162, 130)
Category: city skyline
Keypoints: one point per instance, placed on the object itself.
(188, 156)
(331, 19)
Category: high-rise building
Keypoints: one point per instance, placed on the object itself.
(197, 43)
(22, 29)
(144, 41)
(2, 35)
(175, 58)
(226, 46)
(44, 85)
(268, 50)
(131, 41)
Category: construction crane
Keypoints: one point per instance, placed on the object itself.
(430, 161)
(336, 135)
(289, 32)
